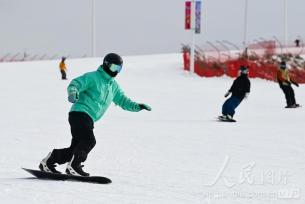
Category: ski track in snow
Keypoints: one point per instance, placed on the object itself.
(169, 155)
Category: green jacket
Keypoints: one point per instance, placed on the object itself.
(96, 90)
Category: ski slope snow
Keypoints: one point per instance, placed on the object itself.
(177, 153)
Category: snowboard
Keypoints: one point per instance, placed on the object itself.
(222, 119)
(66, 177)
(297, 106)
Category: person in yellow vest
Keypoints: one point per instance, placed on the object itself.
(63, 68)
(285, 82)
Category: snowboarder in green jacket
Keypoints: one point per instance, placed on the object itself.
(91, 95)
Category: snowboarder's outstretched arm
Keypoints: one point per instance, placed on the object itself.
(76, 86)
(231, 89)
(124, 102)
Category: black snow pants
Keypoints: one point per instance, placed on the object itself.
(63, 74)
(289, 94)
(83, 139)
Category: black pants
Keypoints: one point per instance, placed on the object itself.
(83, 139)
(289, 94)
(63, 74)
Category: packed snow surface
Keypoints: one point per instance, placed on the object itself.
(177, 153)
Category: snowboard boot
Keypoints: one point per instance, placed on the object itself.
(48, 164)
(229, 117)
(222, 117)
(74, 167)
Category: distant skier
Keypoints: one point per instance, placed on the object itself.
(297, 42)
(239, 90)
(91, 95)
(63, 68)
(285, 82)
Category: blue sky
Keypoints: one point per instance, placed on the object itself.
(136, 26)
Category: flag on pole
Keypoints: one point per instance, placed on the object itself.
(188, 13)
(197, 17)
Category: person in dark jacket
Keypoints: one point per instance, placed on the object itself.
(285, 82)
(239, 90)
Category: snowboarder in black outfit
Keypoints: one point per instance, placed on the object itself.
(91, 95)
(285, 82)
(239, 90)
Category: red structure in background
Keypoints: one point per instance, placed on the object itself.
(208, 69)
(186, 60)
(259, 67)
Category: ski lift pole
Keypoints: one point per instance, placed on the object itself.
(93, 28)
(285, 24)
(192, 54)
(245, 24)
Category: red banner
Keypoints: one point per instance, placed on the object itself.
(188, 12)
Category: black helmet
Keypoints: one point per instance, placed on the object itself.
(244, 70)
(112, 59)
(283, 65)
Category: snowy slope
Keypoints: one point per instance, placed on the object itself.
(177, 153)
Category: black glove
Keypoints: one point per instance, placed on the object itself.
(227, 94)
(73, 96)
(144, 106)
(295, 83)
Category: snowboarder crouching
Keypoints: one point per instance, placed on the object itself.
(239, 90)
(91, 95)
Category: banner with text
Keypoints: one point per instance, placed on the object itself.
(188, 13)
(197, 17)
